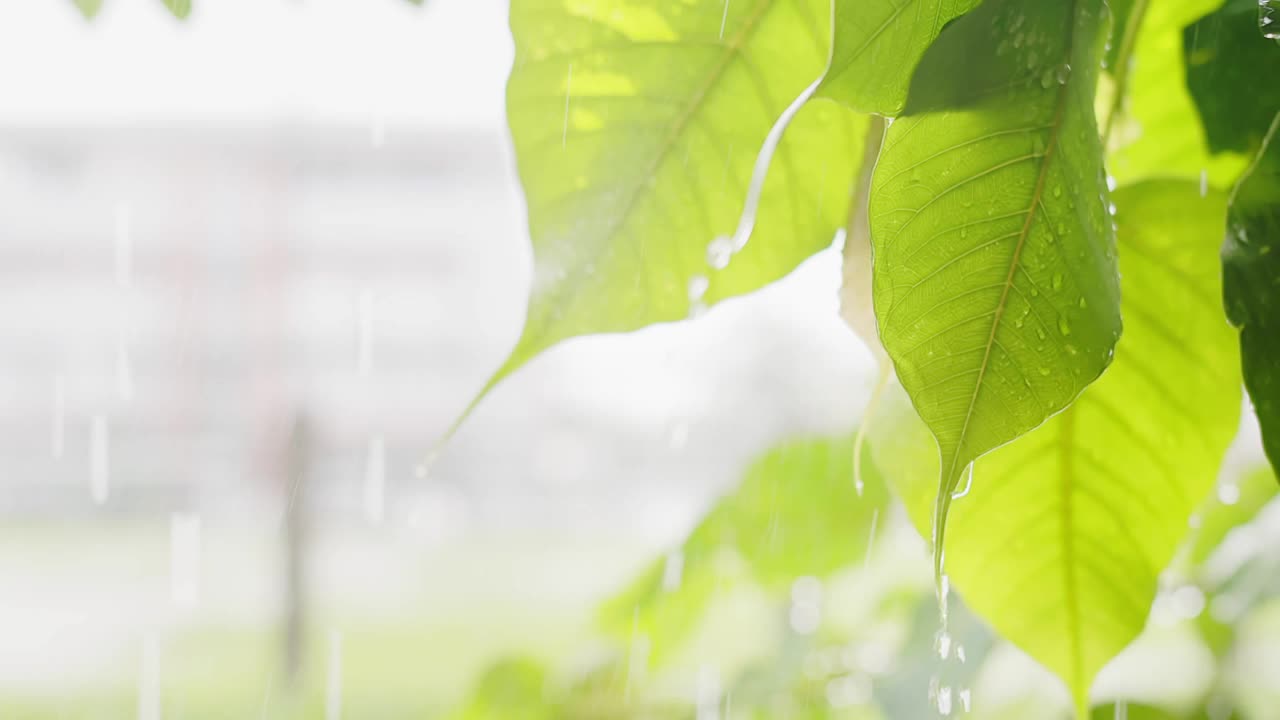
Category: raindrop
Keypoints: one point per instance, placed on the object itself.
(1228, 493)
(698, 285)
(1062, 73)
(149, 680)
(1204, 182)
(966, 697)
(1047, 78)
(673, 571)
(708, 693)
(723, 17)
(1122, 710)
(1057, 191)
(1064, 326)
(1044, 371)
(968, 484)
(1040, 332)
(98, 459)
(184, 560)
(375, 475)
(871, 537)
(1057, 281)
(1268, 19)
(1083, 303)
(333, 685)
(1111, 183)
(58, 441)
(942, 644)
(1111, 209)
(944, 700)
(568, 87)
(960, 655)
(719, 252)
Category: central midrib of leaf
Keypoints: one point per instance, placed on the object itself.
(696, 101)
(1055, 129)
(1066, 443)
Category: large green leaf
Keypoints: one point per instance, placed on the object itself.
(877, 45)
(1154, 128)
(995, 281)
(1233, 72)
(1061, 540)
(637, 127)
(797, 513)
(1251, 280)
(88, 8)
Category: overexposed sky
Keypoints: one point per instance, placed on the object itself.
(251, 62)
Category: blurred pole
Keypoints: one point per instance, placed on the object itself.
(295, 550)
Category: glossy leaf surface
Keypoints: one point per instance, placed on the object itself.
(995, 282)
(636, 129)
(1061, 539)
(1251, 280)
(877, 45)
(1228, 62)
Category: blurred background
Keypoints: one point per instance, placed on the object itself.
(252, 265)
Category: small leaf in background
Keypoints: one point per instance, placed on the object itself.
(1231, 508)
(88, 8)
(181, 9)
(795, 514)
(877, 46)
(636, 129)
(1062, 538)
(1231, 73)
(994, 282)
(512, 689)
(1251, 285)
(1153, 126)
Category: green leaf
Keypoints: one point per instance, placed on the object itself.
(1232, 73)
(797, 513)
(637, 127)
(1061, 540)
(513, 688)
(181, 9)
(88, 8)
(995, 283)
(1154, 128)
(1251, 280)
(877, 45)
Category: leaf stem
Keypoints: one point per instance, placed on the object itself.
(1124, 57)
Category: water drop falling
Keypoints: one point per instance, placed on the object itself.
(719, 252)
(673, 571)
(944, 700)
(149, 680)
(942, 644)
(568, 88)
(966, 698)
(1111, 183)
(871, 537)
(333, 684)
(184, 560)
(1269, 19)
(724, 16)
(1204, 182)
(1228, 493)
(1122, 710)
(58, 439)
(375, 480)
(98, 459)
(968, 484)
(747, 221)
